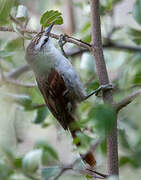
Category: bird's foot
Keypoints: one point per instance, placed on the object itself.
(62, 42)
(104, 88)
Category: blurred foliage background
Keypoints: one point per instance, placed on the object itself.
(31, 140)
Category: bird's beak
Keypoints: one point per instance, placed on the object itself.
(48, 30)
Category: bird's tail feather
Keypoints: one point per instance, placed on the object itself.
(89, 157)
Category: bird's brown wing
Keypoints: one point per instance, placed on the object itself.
(53, 89)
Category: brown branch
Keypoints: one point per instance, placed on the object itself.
(127, 100)
(10, 29)
(16, 21)
(116, 46)
(112, 149)
(55, 36)
(109, 45)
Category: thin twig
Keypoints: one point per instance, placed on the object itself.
(16, 21)
(127, 100)
(100, 174)
(66, 168)
(84, 171)
(117, 46)
(63, 170)
(37, 106)
(10, 29)
(108, 45)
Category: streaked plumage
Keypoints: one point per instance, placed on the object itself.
(58, 82)
(56, 78)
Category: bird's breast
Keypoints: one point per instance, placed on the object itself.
(43, 64)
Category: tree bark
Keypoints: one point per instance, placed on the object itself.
(112, 145)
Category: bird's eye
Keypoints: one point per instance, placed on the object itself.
(45, 41)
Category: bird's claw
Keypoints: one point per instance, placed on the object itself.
(104, 88)
(62, 42)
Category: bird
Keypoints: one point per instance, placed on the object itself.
(59, 83)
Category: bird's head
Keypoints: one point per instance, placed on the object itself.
(41, 42)
(39, 46)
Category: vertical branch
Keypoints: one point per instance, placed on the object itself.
(112, 145)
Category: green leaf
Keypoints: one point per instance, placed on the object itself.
(24, 100)
(31, 161)
(18, 162)
(51, 16)
(47, 148)
(137, 11)
(50, 171)
(4, 53)
(14, 44)
(103, 116)
(5, 8)
(41, 115)
(88, 176)
(135, 35)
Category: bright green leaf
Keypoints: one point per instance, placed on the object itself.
(88, 176)
(18, 162)
(5, 8)
(51, 16)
